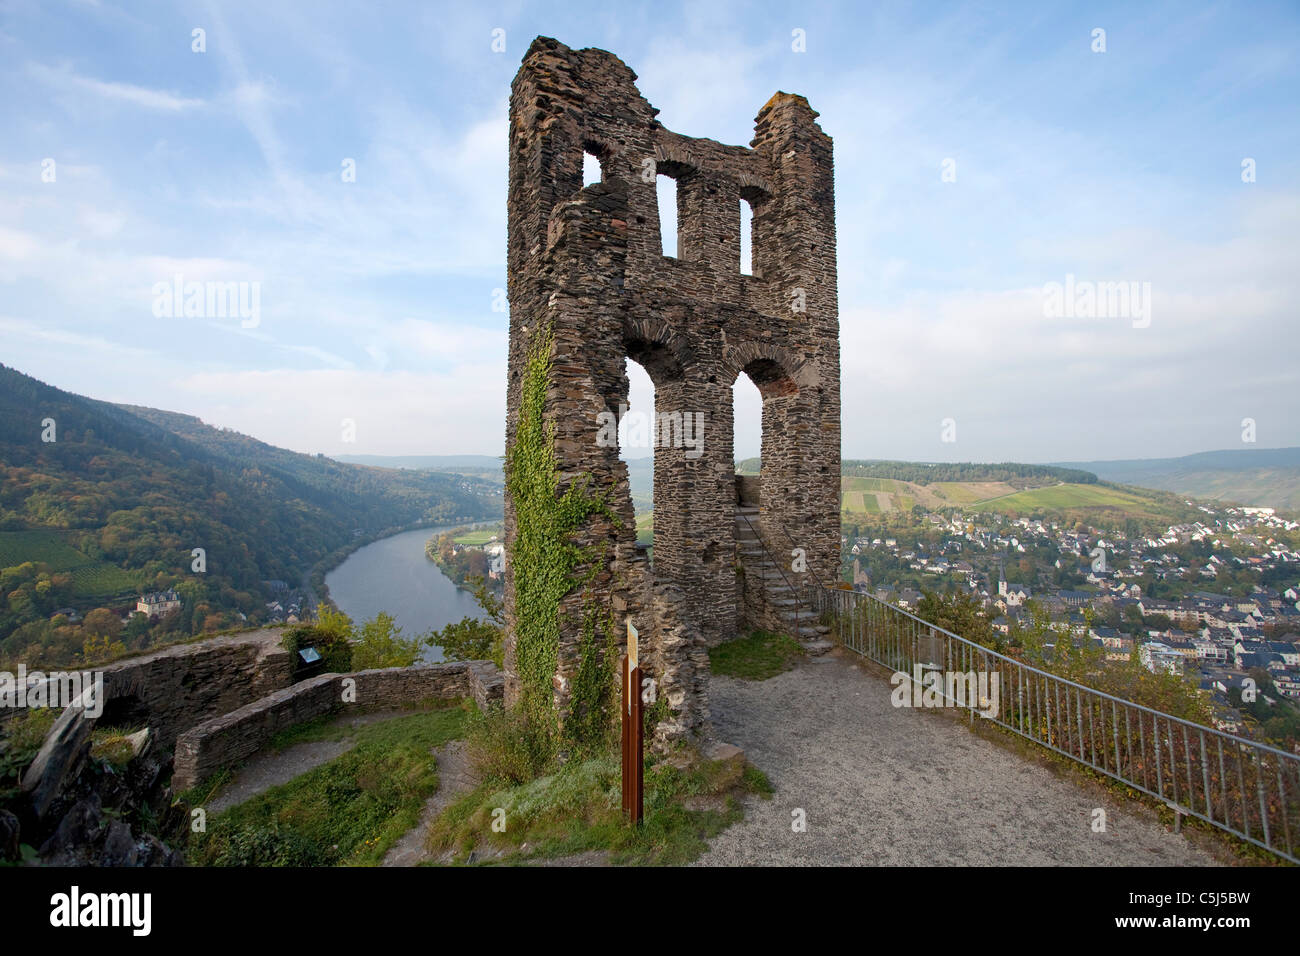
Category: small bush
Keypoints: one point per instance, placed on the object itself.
(504, 746)
(21, 737)
(112, 745)
(381, 644)
(331, 635)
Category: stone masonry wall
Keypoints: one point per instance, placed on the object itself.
(234, 737)
(587, 263)
(178, 686)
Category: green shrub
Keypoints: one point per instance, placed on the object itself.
(331, 636)
(21, 737)
(507, 747)
(381, 644)
(469, 639)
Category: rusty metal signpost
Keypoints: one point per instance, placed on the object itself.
(632, 730)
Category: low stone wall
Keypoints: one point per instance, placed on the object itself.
(175, 687)
(231, 738)
(179, 686)
(170, 690)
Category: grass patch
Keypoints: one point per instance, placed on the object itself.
(349, 811)
(43, 547)
(757, 657)
(337, 726)
(112, 745)
(577, 809)
(757, 782)
(21, 737)
(476, 538)
(503, 745)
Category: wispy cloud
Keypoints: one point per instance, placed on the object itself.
(67, 81)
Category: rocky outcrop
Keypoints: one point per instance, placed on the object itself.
(78, 811)
(10, 829)
(59, 759)
(106, 815)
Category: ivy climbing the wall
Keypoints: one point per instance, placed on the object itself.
(543, 560)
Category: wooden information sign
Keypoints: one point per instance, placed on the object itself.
(632, 729)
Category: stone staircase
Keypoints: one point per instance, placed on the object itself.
(784, 609)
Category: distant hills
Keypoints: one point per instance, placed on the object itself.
(872, 488)
(1268, 477)
(105, 499)
(1016, 474)
(429, 462)
(1264, 477)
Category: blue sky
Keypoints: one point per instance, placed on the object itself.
(376, 295)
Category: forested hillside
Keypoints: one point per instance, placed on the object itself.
(924, 473)
(99, 502)
(1013, 473)
(1247, 476)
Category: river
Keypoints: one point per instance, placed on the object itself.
(393, 575)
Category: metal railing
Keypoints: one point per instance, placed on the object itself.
(1250, 789)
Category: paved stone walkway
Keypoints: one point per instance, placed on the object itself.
(895, 786)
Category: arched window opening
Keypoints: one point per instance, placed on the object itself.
(666, 190)
(591, 170)
(747, 425)
(636, 447)
(746, 238)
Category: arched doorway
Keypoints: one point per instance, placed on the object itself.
(771, 562)
(636, 449)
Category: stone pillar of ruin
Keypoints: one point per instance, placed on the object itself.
(586, 266)
(794, 252)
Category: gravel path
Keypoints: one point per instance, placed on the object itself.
(896, 786)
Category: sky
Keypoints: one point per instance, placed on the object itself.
(980, 156)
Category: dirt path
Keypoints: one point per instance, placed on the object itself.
(272, 768)
(455, 776)
(894, 786)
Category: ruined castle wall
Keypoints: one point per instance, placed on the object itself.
(588, 265)
(178, 686)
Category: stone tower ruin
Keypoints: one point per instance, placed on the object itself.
(586, 268)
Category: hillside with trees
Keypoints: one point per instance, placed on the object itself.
(1267, 477)
(99, 502)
